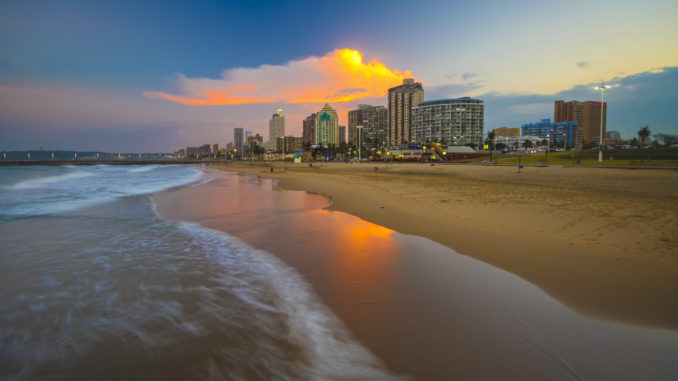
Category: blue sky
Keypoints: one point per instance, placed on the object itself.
(73, 74)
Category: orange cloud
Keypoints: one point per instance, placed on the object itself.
(339, 76)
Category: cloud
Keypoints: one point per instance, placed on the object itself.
(467, 76)
(584, 64)
(451, 90)
(635, 100)
(531, 108)
(339, 76)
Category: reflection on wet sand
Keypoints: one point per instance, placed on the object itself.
(424, 309)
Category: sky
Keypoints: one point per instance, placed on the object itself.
(156, 76)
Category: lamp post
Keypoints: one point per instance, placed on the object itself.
(360, 135)
(602, 88)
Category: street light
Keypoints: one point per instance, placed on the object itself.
(360, 135)
(602, 88)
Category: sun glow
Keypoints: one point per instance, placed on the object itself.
(339, 76)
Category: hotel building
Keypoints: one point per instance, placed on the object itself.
(238, 138)
(276, 129)
(458, 121)
(327, 126)
(587, 116)
(401, 99)
(374, 120)
(308, 131)
(558, 134)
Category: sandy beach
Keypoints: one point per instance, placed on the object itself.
(601, 241)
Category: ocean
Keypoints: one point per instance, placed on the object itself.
(191, 273)
(94, 284)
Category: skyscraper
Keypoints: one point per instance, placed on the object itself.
(342, 134)
(308, 132)
(458, 121)
(238, 138)
(276, 126)
(374, 121)
(327, 126)
(401, 99)
(587, 116)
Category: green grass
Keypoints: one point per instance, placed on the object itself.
(644, 157)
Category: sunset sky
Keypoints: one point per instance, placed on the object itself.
(158, 76)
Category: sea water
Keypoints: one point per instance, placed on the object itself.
(94, 283)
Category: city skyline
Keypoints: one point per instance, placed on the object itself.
(151, 78)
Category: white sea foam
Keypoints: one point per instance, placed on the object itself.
(203, 181)
(144, 168)
(333, 351)
(79, 188)
(43, 182)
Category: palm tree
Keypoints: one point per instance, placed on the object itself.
(644, 133)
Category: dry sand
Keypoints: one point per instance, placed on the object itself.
(602, 241)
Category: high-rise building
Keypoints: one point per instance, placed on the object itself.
(276, 127)
(291, 144)
(401, 99)
(327, 126)
(238, 138)
(342, 134)
(308, 132)
(374, 122)
(457, 121)
(563, 134)
(587, 116)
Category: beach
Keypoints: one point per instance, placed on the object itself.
(602, 241)
(427, 311)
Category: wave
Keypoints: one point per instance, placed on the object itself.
(332, 351)
(203, 181)
(144, 168)
(46, 181)
(81, 189)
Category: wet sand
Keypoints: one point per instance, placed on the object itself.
(427, 311)
(602, 241)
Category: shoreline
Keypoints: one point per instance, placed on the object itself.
(574, 245)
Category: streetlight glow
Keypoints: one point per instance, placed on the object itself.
(602, 88)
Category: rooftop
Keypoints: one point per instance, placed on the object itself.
(452, 100)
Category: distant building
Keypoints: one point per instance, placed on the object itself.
(215, 148)
(254, 141)
(374, 122)
(238, 138)
(401, 99)
(506, 131)
(587, 116)
(292, 144)
(558, 134)
(458, 121)
(308, 134)
(613, 135)
(327, 126)
(342, 134)
(276, 129)
(198, 152)
(518, 142)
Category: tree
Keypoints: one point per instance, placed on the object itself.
(490, 137)
(527, 144)
(644, 133)
(500, 146)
